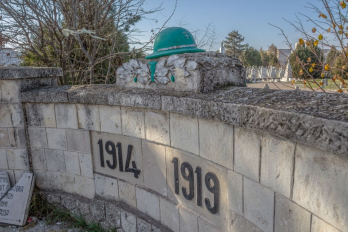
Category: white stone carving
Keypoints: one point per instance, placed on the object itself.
(4, 183)
(165, 69)
(288, 73)
(263, 73)
(14, 206)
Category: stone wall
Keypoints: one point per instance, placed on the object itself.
(260, 160)
(14, 155)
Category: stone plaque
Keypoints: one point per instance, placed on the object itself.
(199, 185)
(4, 183)
(118, 156)
(14, 207)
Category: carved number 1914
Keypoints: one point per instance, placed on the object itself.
(188, 175)
(110, 148)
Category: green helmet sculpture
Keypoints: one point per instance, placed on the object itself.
(173, 40)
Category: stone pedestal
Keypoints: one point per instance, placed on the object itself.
(190, 72)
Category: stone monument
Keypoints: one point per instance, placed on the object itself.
(263, 73)
(281, 73)
(222, 48)
(273, 72)
(248, 74)
(288, 73)
(14, 205)
(177, 64)
(4, 184)
(254, 73)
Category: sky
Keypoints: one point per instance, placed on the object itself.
(250, 17)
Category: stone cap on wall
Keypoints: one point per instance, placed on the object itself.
(316, 119)
(11, 73)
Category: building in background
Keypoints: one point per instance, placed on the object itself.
(284, 54)
(9, 57)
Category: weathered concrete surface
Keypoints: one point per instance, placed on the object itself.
(295, 116)
(324, 176)
(8, 73)
(258, 205)
(247, 153)
(290, 217)
(277, 158)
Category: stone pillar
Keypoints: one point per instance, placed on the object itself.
(14, 152)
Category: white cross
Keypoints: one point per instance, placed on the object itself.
(187, 35)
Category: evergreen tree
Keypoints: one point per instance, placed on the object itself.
(332, 56)
(273, 60)
(251, 57)
(273, 50)
(233, 44)
(264, 58)
(339, 65)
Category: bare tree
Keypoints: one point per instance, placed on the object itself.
(207, 37)
(329, 31)
(89, 39)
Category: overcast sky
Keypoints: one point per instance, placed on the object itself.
(249, 17)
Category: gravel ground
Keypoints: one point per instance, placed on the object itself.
(39, 226)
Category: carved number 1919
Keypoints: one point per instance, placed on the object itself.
(188, 175)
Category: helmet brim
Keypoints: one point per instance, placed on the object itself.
(173, 52)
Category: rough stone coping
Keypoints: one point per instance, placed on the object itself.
(9, 73)
(310, 118)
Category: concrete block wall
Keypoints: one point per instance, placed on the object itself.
(267, 183)
(14, 155)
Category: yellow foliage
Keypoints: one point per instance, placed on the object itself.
(320, 37)
(293, 82)
(327, 67)
(343, 4)
(301, 41)
(309, 59)
(314, 30)
(301, 72)
(311, 70)
(322, 15)
(341, 27)
(328, 30)
(322, 75)
(316, 43)
(340, 90)
(313, 65)
(340, 32)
